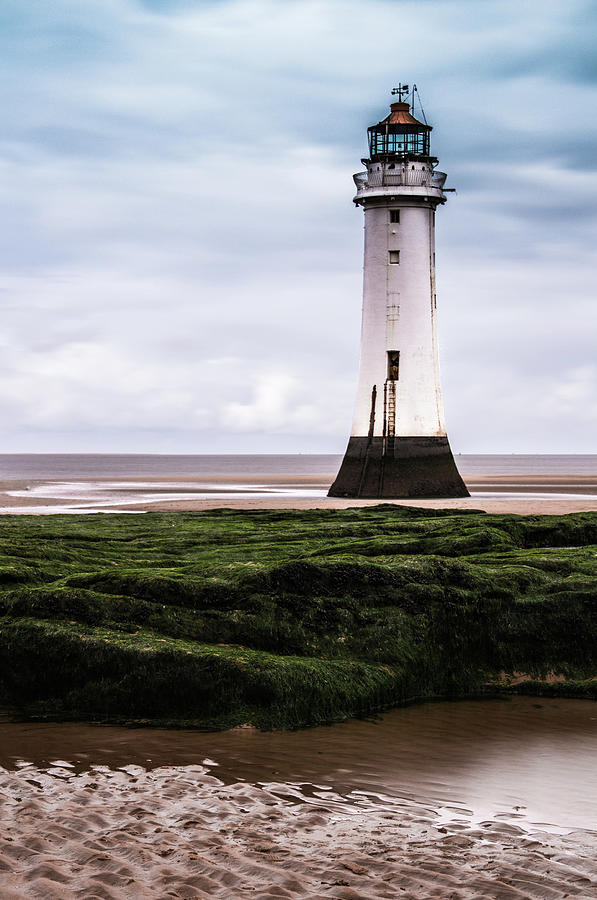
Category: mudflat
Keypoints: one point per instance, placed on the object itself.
(533, 494)
(180, 832)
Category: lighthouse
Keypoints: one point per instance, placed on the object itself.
(398, 445)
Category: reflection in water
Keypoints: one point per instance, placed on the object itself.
(109, 496)
(115, 496)
(523, 759)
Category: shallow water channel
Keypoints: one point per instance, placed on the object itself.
(530, 761)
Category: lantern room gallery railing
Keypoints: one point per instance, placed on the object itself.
(413, 177)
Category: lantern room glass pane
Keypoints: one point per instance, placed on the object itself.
(414, 143)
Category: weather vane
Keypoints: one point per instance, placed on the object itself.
(402, 90)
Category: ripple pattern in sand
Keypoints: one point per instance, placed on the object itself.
(180, 832)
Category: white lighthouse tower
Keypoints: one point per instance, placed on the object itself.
(398, 445)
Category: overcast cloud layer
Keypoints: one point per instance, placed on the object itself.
(180, 257)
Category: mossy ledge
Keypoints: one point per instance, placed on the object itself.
(285, 618)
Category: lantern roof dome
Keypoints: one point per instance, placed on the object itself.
(400, 114)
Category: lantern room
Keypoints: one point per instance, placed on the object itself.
(399, 135)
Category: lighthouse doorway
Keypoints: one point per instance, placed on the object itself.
(393, 365)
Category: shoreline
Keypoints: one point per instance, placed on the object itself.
(550, 687)
(520, 494)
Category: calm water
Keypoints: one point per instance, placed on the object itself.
(18, 466)
(524, 760)
(132, 465)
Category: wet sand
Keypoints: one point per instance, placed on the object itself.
(512, 493)
(436, 801)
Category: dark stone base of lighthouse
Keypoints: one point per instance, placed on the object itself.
(398, 468)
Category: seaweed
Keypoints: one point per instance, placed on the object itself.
(286, 618)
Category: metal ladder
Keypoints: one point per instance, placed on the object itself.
(389, 417)
(391, 414)
(389, 427)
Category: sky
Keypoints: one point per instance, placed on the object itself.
(181, 260)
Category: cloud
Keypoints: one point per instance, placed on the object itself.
(181, 260)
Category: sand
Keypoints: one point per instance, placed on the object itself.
(179, 832)
(520, 505)
(521, 494)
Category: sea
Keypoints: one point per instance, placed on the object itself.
(19, 466)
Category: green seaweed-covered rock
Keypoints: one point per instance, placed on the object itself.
(285, 618)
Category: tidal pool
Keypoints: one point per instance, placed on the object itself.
(530, 761)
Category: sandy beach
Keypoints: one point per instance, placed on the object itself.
(441, 800)
(522, 494)
(179, 832)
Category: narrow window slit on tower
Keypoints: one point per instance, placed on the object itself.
(394, 257)
(394, 215)
(393, 365)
